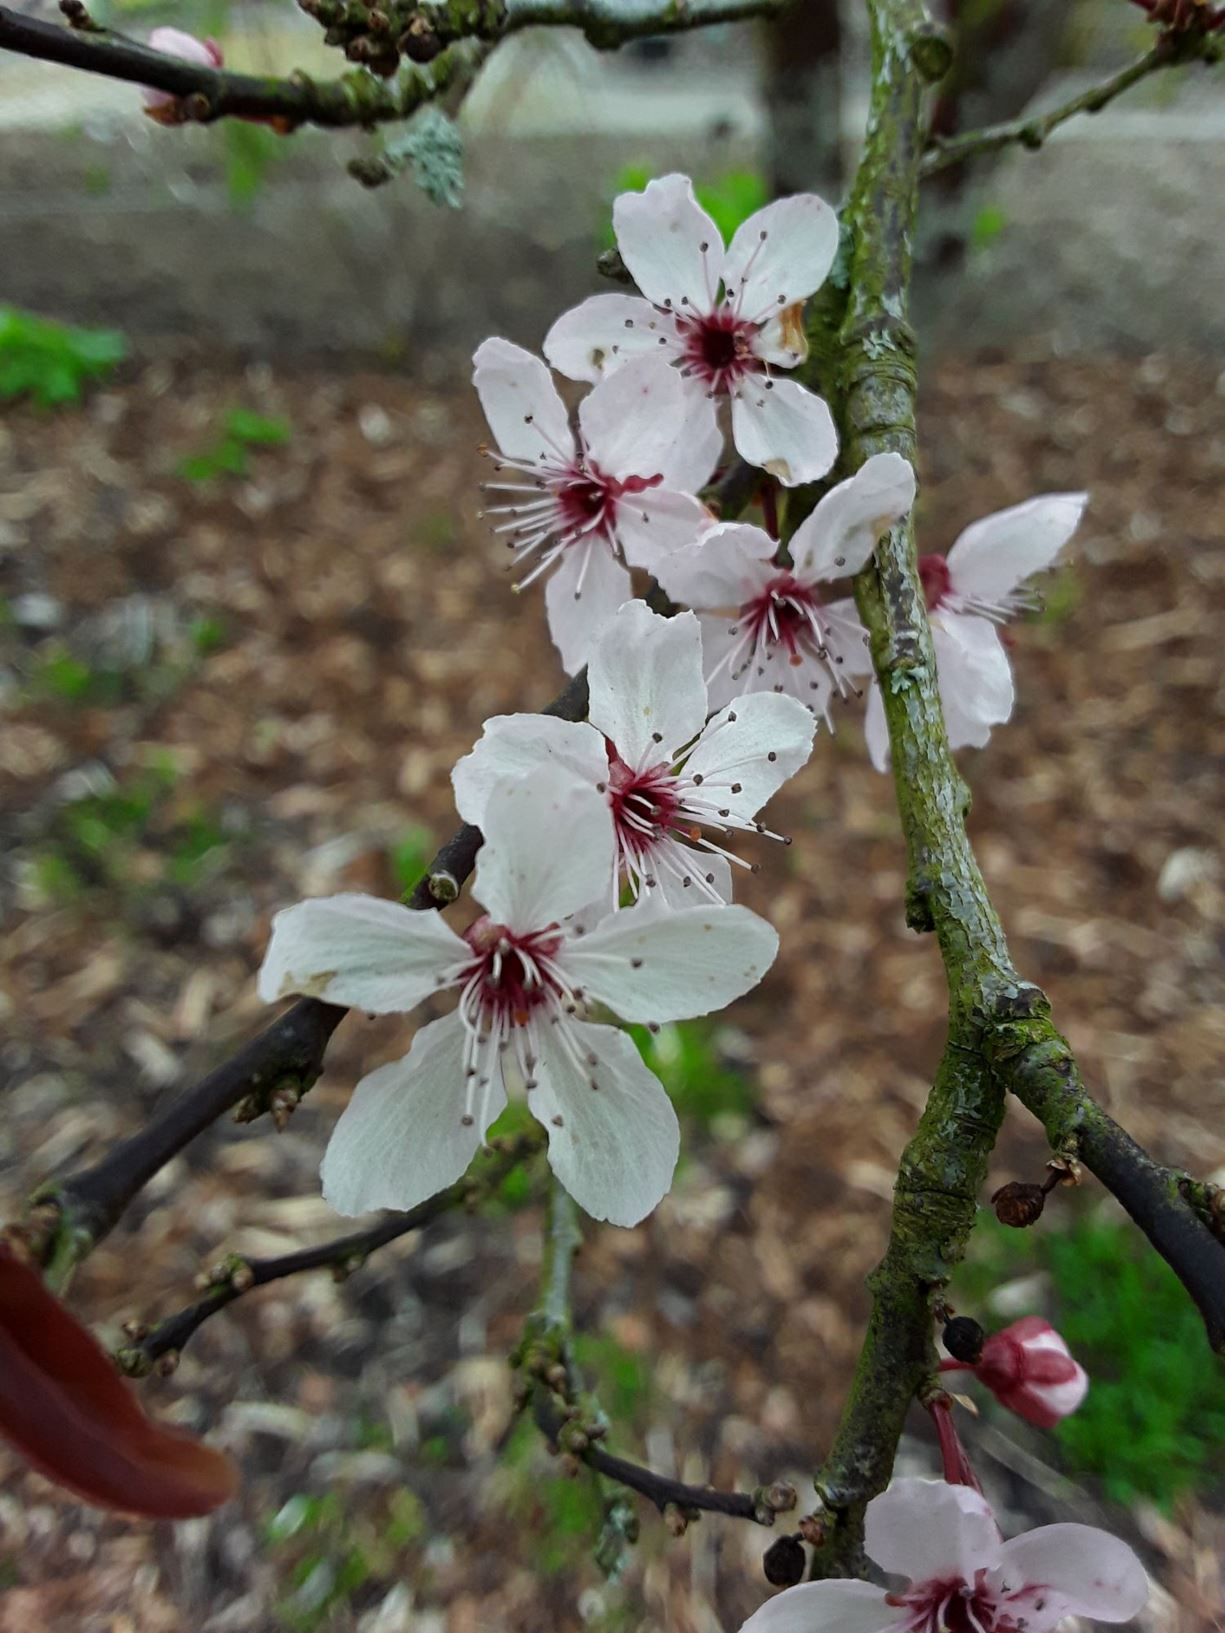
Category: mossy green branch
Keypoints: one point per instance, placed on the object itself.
(1000, 1035)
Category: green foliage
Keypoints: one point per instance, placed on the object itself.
(409, 855)
(330, 1554)
(687, 1061)
(250, 151)
(95, 840)
(1062, 593)
(1155, 1410)
(51, 362)
(59, 674)
(986, 227)
(230, 454)
(618, 1376)
(207, 634)
(732, 198)
(563, 1516)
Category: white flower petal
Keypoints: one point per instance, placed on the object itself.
(648, 967)
(729, 564)
(518, 745)
(548, 849)
(581, 597)
(629, 418)
(927, 1530)
(704, 870)
(975, 676)
(605, 331)
(784, 429)
(767, 742)
(847, 524)
(525, 413)
(783, 341)
(847, 638)
(670, 245)
(876, 729)
(718, 641)
(646, 689)
(614, 1147)
(780, 255)
(402, 1137)
(653, 524)
(689, 463)
(997, 553)
(360, 951)
(839, 1606)
(1081, 1571)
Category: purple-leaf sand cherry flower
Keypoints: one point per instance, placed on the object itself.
(727, 317)
(618, 491)
(1030, 1370)
(961, 1577)
(523, 975)
(777, 634)
(173, 42)
(670, 780)
(979, 584)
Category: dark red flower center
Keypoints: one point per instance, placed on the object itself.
(513, 973)
(784, 614)
(718, 348)
(588, 503)
(936, 578)
(645, 805)
(954, 1606)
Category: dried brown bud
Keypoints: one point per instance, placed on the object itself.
(964, 1338)
(570, 1466)
(783, 1562)
(1019, 1204)
(136, 1330)
(780, 1497)
(557, 1377)
(168, 1363)
(812, 1529)
(676, 1520)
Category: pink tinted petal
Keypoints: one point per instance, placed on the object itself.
(362, 951)
(581, 597)
(647, 692)
(672, 968)
(1074, 1570)
(402, 1137)
(876, 729)
(516, 745)
(689, 463)
(605, 331)
(784, 429)
(525, 878)
(728, 565)
(844, 529)
(173, 42)
(613, 1146)
(670, 245)
(825, 1607)
(781, 255)
(925, 1530)
(656, 522)
(525, 413)
(628, 418)
(997, 554)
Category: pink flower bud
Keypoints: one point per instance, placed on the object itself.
(173, 42)
(1028, 1368)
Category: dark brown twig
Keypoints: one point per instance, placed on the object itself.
(343, 1254)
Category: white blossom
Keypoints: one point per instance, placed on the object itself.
(729, 318)
(619, 490)
(524, 974)
(777, 634)
(980, 584)
(673, 783)
(961, 1577)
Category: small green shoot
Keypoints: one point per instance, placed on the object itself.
(230, 454)
(50, 363)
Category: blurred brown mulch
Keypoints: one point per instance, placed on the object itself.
(309, 647)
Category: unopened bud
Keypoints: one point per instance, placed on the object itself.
(557, 1377)
(242, 1278)
(570, 1465)
(783, 1562)
(1019, 1204)
(133, 1363)
(1029, 1369)
(964, 1338)
(168, 1363)
(136, 1330)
